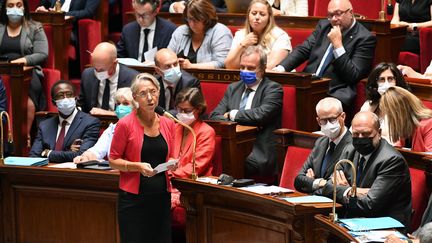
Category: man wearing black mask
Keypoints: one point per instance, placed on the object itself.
(383, 179)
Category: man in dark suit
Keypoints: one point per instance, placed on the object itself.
(171, 78)
(178, 6)
(100, 82)
(328, 150)
(383, 179)
(254, 101)
(340, 48)
(146, 33)
(63, 137)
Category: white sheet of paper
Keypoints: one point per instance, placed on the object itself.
(260, 189)
(164, 166)
(67, 165)
(150, 54)
(134, 62)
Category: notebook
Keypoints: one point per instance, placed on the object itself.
(25, 161)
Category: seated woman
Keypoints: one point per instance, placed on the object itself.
(409, 72)
(191, 106)
(123, 99)
(260, 29)
(23, 40)
(408, 119)
(414, 14)
(202, 42)
(383, 76)
(289, 7)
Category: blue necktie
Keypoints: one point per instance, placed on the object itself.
(327, 61)
(327, 159)
(360, 170)
(244, 100)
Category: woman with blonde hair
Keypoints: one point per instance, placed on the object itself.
(408, 118)
(260, 29)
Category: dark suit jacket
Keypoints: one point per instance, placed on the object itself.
(347, 70)
(80, 9)
(89, 87)
(128, 45)
(219, 4)
(387, 175)
(302, 182)
(83, 126)
(265, 113)
(186, 81)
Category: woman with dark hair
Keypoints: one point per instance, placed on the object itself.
(383, 76)
(260, 29)
(202, 42)
(23, 40)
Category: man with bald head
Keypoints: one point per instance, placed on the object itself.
(340, 48)
(100, 82)
(171, 78)
(383, 179)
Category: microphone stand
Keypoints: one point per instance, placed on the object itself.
(381, 14)
(333, 215)
(10, 137)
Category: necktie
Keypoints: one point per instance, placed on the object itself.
(172, 97)
(360, 170)
(327, 60)
(145, 47)
(106, 95)
(327, 159)
(60, 138)
(244, 100)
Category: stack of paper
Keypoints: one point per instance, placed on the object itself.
(308, 199)
(262, 189)
(375, 235)
(25, 161)
(362, 224)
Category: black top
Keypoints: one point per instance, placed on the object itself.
(416, 12)
(10, 46)
(154, 152)
(192, 55)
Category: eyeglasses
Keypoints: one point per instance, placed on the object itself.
(145, 93)
(62, 95)
(144, 15)
(338, 14)
(194, 20)
(332, 120)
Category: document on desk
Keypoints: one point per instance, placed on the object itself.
(308, 199)
(134, 62)
(361, 224)
(375, 235)
(262, 189)
(66, 165)
(164, 166)
(25, 161)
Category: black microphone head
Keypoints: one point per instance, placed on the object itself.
(159, 110)
(390, 9)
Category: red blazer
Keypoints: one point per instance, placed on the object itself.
(127, 143)
(422, 136)
(205, 148)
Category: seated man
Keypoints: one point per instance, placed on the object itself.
(63, 137)
(328, 150)
(255, 101)
(340, 48)
(100, 82)
(409, 72)
(147, 32)
(383, 179)
(171, 79)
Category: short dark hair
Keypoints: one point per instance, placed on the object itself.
(154, 3)
(195, 98)
(67, 82)
(202, 10)
(3, 17)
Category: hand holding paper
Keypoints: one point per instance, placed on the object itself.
(165, 166)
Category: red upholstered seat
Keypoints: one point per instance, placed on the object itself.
(289, 110)
(420, 196)
(213, 93)
(234, 29)
(361, 96)
(370, 9)
(427, 103)
(89, 36)
(422, 61)
(294, 160)
(50, 60)
(51, 76)
(298, 36)
(409, 59)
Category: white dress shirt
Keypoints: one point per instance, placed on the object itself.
(113, 88)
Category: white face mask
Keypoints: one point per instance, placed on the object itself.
(187, 118)
(331, 130)
(15, 15)
(101, 75)
(66, 106)
(383, 87)
(172, 75)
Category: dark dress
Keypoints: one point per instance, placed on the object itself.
(146, 217)
(11, 49)
(416, 12)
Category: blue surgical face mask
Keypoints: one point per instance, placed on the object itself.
(248, 77)
(172, 75)
(66, 106)
(15, 15)
(123, 110)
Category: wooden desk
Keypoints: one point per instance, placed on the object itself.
(328, 232)
(226, 214)
(61, 34)
(41, 204)
(19, 80)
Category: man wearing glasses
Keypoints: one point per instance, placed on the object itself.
(146, 33)
(340, 48)
(328, 150)
(61, 138)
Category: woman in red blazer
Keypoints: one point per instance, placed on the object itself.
(141, 141)
(191, 106)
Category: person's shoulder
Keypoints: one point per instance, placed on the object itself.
(221, 27)
(124, 68)
(49, 121)
(131, 26)
(87, 117)
(270, 83)
(278, 31)
(206, 128)
(88, 72)
(240, 32)
(164, 22)
(181, 30)
(34, 24)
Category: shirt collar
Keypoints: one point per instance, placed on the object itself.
(338, 139)
(152, 26)
(255, 86)
(114, 77)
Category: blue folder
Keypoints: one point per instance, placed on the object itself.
(25, 161)
(362, 224)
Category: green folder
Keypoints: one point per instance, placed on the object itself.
(25, 161)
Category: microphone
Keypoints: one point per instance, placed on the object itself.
(162, 112)
(390, 8)
(353, 196)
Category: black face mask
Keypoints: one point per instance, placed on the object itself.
(363, 145)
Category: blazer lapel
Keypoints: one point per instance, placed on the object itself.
(159, 29)
(95, 91)
(52, 131)
(75, 124)
(320, 156)
(237, 95)
(135, 44)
